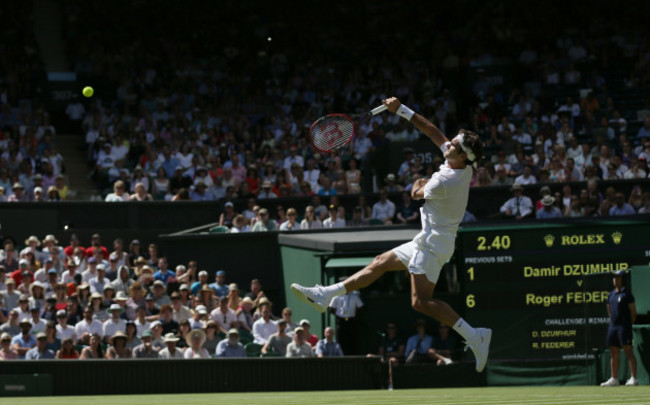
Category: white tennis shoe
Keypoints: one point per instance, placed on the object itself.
(480, 346)
(612, 382)
(632, 381)
(313, 296)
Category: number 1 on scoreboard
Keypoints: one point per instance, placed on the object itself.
(470, 271)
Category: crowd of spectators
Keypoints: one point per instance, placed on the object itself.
(216, 126)
(440, 348)
(31, 167)
(86, 303)
(177, 117)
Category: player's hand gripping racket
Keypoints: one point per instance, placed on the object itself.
(334, 131)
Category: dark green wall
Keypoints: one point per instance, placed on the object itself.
(101, 377)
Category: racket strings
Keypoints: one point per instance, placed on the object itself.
(332, 132)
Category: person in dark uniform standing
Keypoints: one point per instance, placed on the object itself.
(622, 314)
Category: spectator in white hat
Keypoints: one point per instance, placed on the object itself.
(37, 294)
(200, 316)
(195, 349)
(157, 330)
(245, 315)
(121, 299)
(114, 324)
(171, 352)
(99, 310)
(38, 194)
(548, 210)
(231, 347)
(186, 296)
(32, 243)
(118, 349)
(97, 284)
(308, 336)
(63, 330)
(160, 293)
(68, 275)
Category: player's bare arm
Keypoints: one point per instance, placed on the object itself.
(421, 123)
(417, 191)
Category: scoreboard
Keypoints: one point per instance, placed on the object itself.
(543, 288)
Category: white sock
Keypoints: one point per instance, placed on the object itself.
(464, 329)
(335, 290)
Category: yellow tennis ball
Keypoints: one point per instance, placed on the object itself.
(88, 91)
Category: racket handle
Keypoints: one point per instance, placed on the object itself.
(379, 109)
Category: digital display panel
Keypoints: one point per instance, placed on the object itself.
(543, 288)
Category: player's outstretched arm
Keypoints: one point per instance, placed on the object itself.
(427, 127)
(417, 191)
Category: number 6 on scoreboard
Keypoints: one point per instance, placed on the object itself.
(470, 301)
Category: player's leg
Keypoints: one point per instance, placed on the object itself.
(382, 263)
(422, 301)
(319, 297)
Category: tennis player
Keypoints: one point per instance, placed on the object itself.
(445, 196)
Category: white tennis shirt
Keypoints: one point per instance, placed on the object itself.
(446, 195)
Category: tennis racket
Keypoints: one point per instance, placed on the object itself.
(333, 131)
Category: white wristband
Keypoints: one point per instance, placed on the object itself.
(405, 112)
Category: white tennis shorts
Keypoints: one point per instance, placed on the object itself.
(421, 261)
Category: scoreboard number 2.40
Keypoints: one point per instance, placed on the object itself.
(499, 242)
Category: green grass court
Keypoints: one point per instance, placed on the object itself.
(493, 395)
